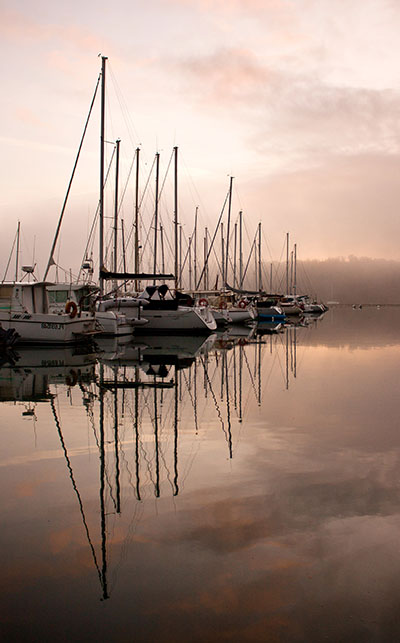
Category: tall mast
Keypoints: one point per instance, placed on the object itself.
(190, 262)
(176, 215)
(156, 215)
(116, 209)
(179, 275)
(234, 258)
(240, 249)
(205, 269)
(137, 219)
(287, 263)
(223, 256)
(295, 270)
(101, 199)
(123, 249)
(259, 258)
(225, 272)
(17, 252)
(195, 247)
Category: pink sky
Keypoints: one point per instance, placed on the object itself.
(298, 100)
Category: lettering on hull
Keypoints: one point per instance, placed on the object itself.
(52, 325)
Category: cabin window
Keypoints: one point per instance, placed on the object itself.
(58, 296)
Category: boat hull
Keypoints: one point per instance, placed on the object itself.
(43, 328)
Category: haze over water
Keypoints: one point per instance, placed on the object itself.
(190, 489)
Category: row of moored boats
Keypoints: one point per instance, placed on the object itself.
(47, 313)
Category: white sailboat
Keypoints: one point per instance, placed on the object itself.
(166, 312)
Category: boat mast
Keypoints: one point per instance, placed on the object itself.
(240, 249)
(179, 279)
(101, 199)
(205, 269)
(259, 258)
(176, 215)
(195, 247)
(116, 208)
(295, 270)
(137, 219)
(287, 263)
(234, 258)
(223, 256)
(17, 252)
(225, 272)
(156, 215)
(123, 248)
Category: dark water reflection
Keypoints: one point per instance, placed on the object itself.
(243, 487)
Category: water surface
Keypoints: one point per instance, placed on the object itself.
(241, 487)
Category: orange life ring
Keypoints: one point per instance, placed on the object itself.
(242, 303)
(71, 309)
(223, 304)
(203, 302)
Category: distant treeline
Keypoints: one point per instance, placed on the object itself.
(349, 281)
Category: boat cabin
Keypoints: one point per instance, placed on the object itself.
(81, 294)
(30, 297)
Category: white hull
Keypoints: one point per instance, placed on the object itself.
(221, 316)
(241, 315)
(113, 324)
(46, 328)
(182, 319)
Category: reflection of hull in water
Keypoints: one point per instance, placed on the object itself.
(235, 334)
(160, 349)
(35, 369)
(269, 328)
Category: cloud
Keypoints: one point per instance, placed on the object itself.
(19, 29)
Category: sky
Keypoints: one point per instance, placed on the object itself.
(298, 100)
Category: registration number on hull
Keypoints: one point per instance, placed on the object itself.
(52, 325)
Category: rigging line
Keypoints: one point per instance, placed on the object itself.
(251, 375)
(228, 409)
(51, 259)
(126, 184)
(249, 258)
(192, 184)
(71, 475)
(141, 202)
(92, 230)
(215, 400)
(123, 106)
(212, 243)
(267, 244)
(9, 259)
(165, 176)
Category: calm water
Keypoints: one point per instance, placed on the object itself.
(239, 488)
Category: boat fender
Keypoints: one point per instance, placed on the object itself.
(71, 309)
(242, 304)
(203, 302)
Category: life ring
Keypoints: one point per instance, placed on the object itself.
(242, 304)
(203, 302)
(223, 304)
(71, 309)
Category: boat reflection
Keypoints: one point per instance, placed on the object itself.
(144, 400)
(30, 373)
